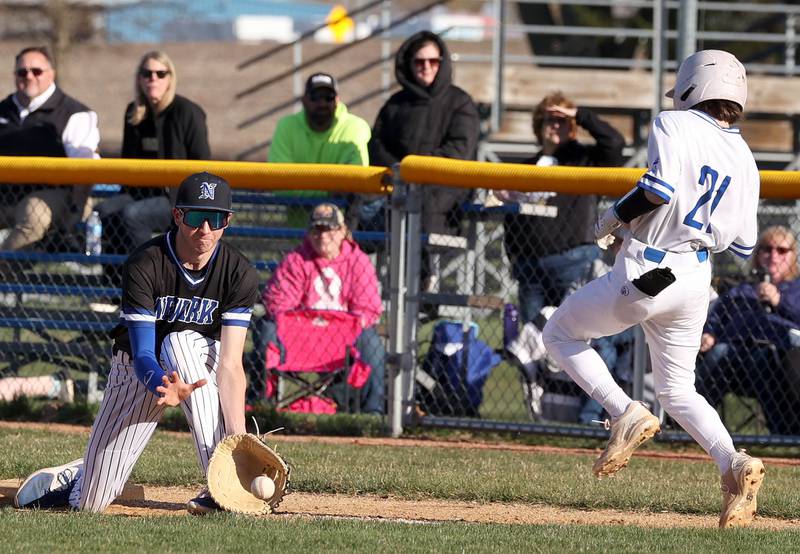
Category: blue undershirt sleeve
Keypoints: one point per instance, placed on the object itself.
(143, 345)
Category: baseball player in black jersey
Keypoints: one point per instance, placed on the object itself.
(186, 304)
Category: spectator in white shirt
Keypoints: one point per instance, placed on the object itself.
(38, 119)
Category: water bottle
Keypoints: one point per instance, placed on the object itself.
(510, 324)
(94, 235)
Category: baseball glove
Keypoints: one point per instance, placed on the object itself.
(236, 461)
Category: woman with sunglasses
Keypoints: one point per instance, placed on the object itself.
(749, 330)
(159, 124)
(430, 116)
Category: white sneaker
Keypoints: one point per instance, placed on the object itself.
(49, 487)
(533, 393)
(66, 393)
(634, 427)
(740, 486)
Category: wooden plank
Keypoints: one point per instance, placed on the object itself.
(762, 135)
(525, 85)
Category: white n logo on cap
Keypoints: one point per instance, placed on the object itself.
(207, 191)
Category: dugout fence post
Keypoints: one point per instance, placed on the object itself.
(404, 266)
(413, 272)
(397, 285)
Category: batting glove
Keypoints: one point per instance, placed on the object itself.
(606, 224)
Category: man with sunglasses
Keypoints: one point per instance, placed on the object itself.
(186, 304)
(323, 132)
(38, 119)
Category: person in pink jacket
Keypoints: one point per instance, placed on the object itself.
(328, 271)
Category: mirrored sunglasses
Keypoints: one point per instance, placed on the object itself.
(148, 73)
(195, 219)
(21, 72)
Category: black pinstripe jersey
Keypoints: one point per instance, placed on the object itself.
(156, 287)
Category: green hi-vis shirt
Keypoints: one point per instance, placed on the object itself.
(345, 142)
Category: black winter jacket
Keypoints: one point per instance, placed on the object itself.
(177, 133)
(440, 120)
(533, 236)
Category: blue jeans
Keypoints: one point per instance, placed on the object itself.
(372, 215)
(750, 370)
(368, 343)
(547, 280)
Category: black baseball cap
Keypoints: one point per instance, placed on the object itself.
(321, 80)
(327, 215)
(204, 191)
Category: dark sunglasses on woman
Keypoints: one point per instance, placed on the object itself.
(782, 250)
(148, 73)
(421, 62)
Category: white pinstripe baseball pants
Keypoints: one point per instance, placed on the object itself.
(129, 415)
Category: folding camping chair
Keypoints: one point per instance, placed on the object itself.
(320, 363)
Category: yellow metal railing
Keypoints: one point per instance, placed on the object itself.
(251, 175)
(349, 178)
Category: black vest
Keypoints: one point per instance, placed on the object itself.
(40, 134)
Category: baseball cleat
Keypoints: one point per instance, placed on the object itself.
(634, 427)
(49, 487)
(740, 486)
(202, 504)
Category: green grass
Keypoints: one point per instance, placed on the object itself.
(225, 533)
(649, 485)
(443, 473)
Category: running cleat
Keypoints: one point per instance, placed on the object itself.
(49, 487)
(740, 486)
(634, 427)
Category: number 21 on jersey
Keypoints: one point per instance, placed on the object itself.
(707, 176)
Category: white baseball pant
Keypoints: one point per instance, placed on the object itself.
(128, 417)
(672, 322)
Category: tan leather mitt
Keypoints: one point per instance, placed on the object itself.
(237, 460)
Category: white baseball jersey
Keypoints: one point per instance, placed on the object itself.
(709, 179)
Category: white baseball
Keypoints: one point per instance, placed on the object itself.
(262, 487)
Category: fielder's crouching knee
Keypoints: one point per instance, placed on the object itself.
(188, 353)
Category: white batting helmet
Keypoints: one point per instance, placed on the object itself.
(709, 75)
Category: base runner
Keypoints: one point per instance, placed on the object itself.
(699, 195)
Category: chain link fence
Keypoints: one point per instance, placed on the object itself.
(486, 368)
(488, 279)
